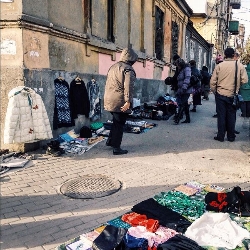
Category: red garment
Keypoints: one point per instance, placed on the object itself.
(135, 219)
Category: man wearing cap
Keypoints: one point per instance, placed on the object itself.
(222, 85)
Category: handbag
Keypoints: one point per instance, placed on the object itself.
(236, 101)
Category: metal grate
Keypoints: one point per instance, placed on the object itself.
(90, 187)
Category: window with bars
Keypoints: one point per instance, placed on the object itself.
(110, 20)
(159, 37)
(175, 38)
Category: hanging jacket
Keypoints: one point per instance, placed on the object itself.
(62, 113)
(79, 99)
(94, 99)
(26, 117)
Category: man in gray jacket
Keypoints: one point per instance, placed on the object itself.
(118, 96)
(222, 84)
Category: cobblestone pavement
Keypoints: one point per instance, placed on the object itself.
(35, 215)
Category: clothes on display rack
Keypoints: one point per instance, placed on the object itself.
(62, 112)
(95, 100)
(26, 117)
(79, 99)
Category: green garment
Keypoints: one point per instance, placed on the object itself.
(245, 91)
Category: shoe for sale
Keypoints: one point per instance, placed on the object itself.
(119, 151)
(218, 139)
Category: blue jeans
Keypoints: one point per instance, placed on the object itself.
(226, 118)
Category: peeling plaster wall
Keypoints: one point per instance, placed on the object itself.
(11, 68)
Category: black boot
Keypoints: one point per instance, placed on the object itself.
(179, 115)
(119, 151)
(108, 142)
(187, 120)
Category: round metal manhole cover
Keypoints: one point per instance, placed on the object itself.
(90, 187)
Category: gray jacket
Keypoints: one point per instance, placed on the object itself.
(120, 82)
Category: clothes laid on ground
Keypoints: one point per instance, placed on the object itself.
(135, 127)
(217, 229)
(26, 117)
(155, 226)
(62, 113)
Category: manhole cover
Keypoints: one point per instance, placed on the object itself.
(90, 187)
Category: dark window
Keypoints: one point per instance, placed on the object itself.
(159, 42)
(111, 21)
(175, 35)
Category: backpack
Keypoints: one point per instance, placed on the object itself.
(194, 80)
(85, 132)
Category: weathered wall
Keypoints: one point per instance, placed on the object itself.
(11, 68)
(43, 82)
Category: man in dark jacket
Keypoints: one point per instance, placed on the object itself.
(118, 96)
(205, 82)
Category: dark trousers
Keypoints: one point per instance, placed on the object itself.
(116, 132)
(226, 118)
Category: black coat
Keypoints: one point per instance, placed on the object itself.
(79, 99)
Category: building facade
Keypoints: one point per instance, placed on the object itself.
(44, 39)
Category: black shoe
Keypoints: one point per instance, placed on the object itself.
(119, 151)
(236, 132)
(218, 139)
(186, 121)
(231, 139)
(108, 142)
(215, 116)
(193, 110)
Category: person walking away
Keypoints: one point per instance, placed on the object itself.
(222, 85)
(184, 90)
(118, 96)
(205, 82)
(245, 104)
(197, 87)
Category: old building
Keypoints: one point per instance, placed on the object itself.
(44, 39)
(213, 20)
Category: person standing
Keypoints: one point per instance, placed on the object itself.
(118, 96)
(219, 59)
(197, 87)
(205, 82)
(184, 90)
(222, 85)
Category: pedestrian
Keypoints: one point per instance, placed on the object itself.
(197, 87)
(245, 104)
(205, 82)
(184, 90)
(222, 85)
(219, 59)
(172, 80)
(118, 96)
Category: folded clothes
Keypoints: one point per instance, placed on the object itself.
(13, 162)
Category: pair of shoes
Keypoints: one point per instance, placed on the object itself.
(215, 115)
(236, 132)
(218, 139)
(193, 110)
(186, 121)
(53, 152)
(119, 151)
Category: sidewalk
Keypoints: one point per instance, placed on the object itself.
(35, 215)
